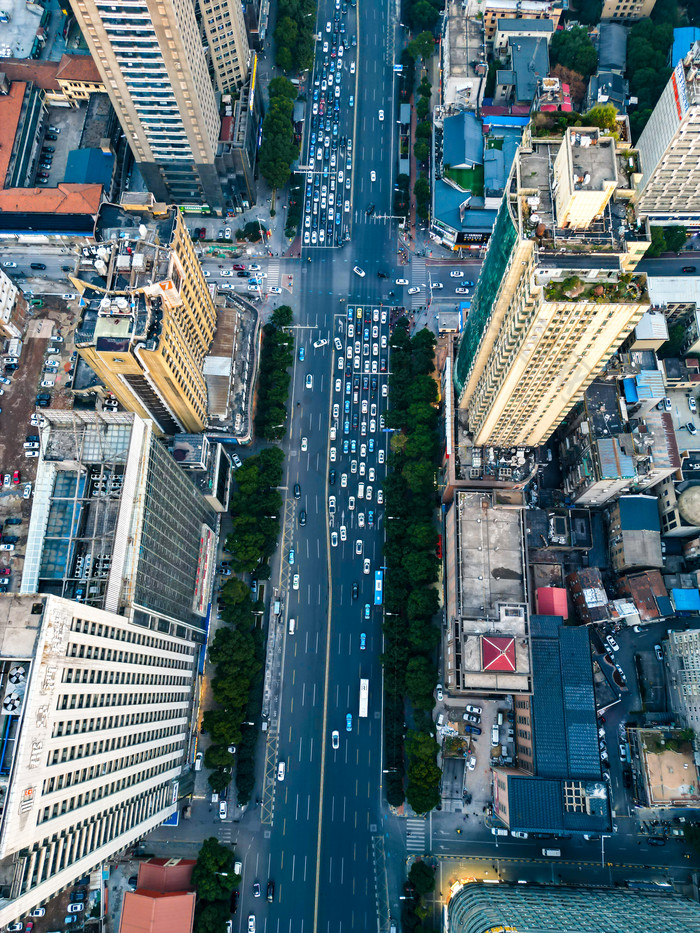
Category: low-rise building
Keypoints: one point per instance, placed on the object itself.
(516, 29)
(648, 593)
(634, 534)
(494, 11)
(487, 646)
(588, 595)
(556, 741)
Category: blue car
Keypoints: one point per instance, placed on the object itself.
(351, 313)
(353, 446)
(370, 518)
(291, 555)
(345, 446)
(346, 426)
(370, 444)
(348, 723)
(363, 641)
(347, 406)
(367, 610)
(302, 354)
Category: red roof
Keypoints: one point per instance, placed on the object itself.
(497, 653)
(10, 112)
(551, 601)
(153, 912)
(164, 874)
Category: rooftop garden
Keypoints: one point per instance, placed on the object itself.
(627, 288)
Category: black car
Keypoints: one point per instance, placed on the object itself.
(233, 903)
(331, 478)
(302, 517)
(51, 137)
(13, 521)
(270, 891)
(355, 590)
(688, 269)
(370, 209)
(297, 491)
(356, 382)
(66, 268)
(656, 841)
(48, 149)
(243, 275)
(475, 730)
(382, 275)
(365, 381)
(77, 896)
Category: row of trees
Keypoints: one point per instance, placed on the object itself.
(424, 129)
(237, 651)
(411, 597)
(279, 149)
(276, 356)
(294, 34)
(420, 883)
(256, 507)
(215, 880)
(648, 45)
(666, 240)
(421, 15)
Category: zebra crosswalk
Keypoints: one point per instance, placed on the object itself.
(273, 272)
(415, 835)
(419, 278)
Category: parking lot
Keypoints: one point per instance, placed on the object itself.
(73, 910)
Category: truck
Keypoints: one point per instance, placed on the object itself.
(14, 347)
(364, 698)
(552, 853)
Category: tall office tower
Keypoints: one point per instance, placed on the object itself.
(150, 56)
(555, 296)
(669, 149)
(148, 317)
(538, 908)
(118, 525)
(95, 719)
(226, 37)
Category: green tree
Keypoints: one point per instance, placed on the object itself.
(421, 150)
(421, 677)
(675, 238)
(674, 345)
(424, 130)
(604, 116)
(423, 16)
(283, 87)
(573, 49)
(213, 875)
(211, 917)
(423, 108)
(658, 243)
(422, 789)
(422, 46)
(422, 877)
(218, 780)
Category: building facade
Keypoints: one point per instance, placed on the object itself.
(626, 11)
(96, 713)
(148, 317)
(229, 54)
(118, 525)
(539, 908)
(156, 74)
(669, 150)
(541, 325)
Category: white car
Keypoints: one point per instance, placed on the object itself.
(366, 565)
(402, 281)
(372, 175)
(333, 452)
(380, 456)
(351, 503)
(456, 274)
(360, 524)
(320, 343)
(381, 116)
(343, 533)
(71, 296)
(304, 444)
(346, 207)
(414, 290)
(335, 740)
(343, 480)
(275, 290)
(352, 68)
(295, 581)
(10, 265)
(334, 539)
(436, 285)
(357, 270)
(224, 272)
(338, 385)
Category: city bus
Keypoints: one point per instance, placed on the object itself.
(378, 587)
(364, 698)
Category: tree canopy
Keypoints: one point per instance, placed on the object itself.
(573, 49)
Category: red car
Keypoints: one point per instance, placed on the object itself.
(203, 233)
(5, 571)
(15, 478)
(238, 267)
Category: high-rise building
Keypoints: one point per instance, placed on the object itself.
(95, 716)
(556, 295)
(669, 149)
(148, 317)
(229, 54)
(541, 908)
(154, 67)
(118, 525)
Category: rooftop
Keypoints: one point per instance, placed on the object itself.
(63, 199)
(78, 68)
(41, 74)
(10, 113)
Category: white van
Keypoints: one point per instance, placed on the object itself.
(238, 868)
(494, 734)
(552, 853)
(198, 762)
(360, 490)
(292, 626)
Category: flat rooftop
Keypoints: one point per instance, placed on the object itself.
(670, 776)
(591, 158)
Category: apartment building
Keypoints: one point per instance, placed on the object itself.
(148, 317)
(482, 908)
(154, 68)
(682, 655)
(669, 150)
(96, 711)
(542, 323)
(627, 11)
(116, 524)
(224, 29)
(494, 10)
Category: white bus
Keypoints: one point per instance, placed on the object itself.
(364, 697)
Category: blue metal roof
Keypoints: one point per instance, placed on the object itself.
(686, 600)
(683, 39)
(630, 387)
(639, 513)
(462, 141)
(89, 166)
